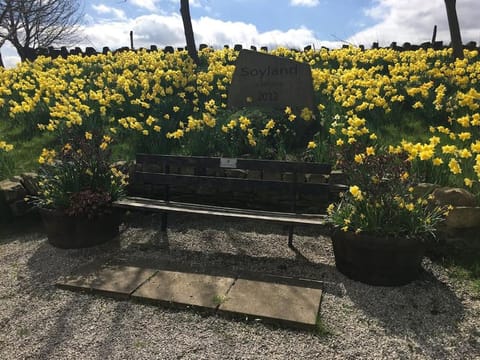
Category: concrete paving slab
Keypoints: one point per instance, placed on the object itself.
(277, 303)
(273, 299)
(185, 289)
(119, 281)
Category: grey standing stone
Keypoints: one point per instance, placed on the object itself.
(270, 81)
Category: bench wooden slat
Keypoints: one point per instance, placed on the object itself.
(138, 203)
(338, 188)
(245, 164)
(236, 184)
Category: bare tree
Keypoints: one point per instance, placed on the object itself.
(454, 29)
(29, 24)
(5, 7)
(188, 28)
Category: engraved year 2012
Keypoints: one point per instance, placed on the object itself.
(267, 96)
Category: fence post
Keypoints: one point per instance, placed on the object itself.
(434, 36)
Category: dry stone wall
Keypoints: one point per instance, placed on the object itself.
(89, 51)
(12, 195)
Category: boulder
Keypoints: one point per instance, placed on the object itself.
(463, 217)
(29, 181)
(424, 189)
(454, 196)
(12, 190)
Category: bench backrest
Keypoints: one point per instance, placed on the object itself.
(252, 181)
(201, 162)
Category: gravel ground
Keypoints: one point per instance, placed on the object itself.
(435, 317)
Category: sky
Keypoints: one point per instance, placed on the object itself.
(271, 23)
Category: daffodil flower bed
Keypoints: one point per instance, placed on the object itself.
(161, 102)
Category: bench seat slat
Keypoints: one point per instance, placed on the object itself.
(138, 203)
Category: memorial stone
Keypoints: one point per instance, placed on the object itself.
(265, 80)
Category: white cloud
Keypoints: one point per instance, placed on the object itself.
(9, 55)
(307, 3)
(413, 21)
(150, 5)
(162, 6)
(159, 30)
(195, 3)
(147, 30)
(103, 9)
(192, 3)
(164, 30)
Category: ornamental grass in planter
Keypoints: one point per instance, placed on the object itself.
(380, 229)
(77, 185)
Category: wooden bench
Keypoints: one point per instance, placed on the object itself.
(278, 191)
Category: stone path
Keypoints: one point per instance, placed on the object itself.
(271, 299)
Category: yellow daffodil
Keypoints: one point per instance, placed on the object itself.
(370, 150)
(356, 192)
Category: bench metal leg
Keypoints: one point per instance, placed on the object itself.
(290, 236)
(164, 222)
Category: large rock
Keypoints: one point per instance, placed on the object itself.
(12, 191)
(424, 189)
(454, 196)
(29, 181)
(463, 217)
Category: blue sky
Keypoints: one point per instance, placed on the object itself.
(272, 23)
(348, 15)
(285, 22)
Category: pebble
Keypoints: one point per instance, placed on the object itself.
(40, 321)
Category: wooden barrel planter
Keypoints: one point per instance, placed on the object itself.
(376, 260)
(75, 232)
